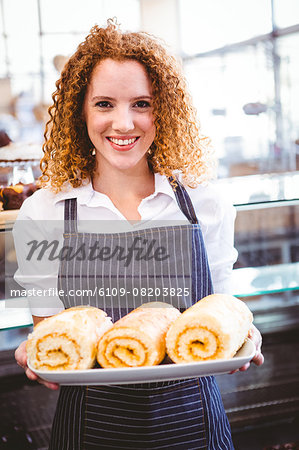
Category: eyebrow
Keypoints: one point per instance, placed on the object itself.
(141, 97)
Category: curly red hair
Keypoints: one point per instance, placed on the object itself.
(178, 145)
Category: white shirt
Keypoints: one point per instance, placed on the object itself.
(214, 212)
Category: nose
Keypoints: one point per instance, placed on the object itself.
(123, 119)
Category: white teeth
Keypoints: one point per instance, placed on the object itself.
(121, 141)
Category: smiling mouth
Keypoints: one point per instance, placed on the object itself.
(123, 141)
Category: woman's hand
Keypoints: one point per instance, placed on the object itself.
(21, 358)
(258, 359)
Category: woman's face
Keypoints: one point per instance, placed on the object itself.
(118, 112)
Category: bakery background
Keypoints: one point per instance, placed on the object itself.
(241, 61)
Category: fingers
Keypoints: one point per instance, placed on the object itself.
(258, 359)
(256, 338)
(245, 367)
(241, 369)
(21, 355)
(52, 386)
(33, 377)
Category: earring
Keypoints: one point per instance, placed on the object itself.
(93, 151)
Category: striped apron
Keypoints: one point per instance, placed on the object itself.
(179, 414)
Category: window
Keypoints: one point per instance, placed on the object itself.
(286, 13)
(207, 25)
(244, 80)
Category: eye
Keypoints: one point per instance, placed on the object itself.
(104, 104)
(142, 104)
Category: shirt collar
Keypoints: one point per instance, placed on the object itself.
(85, 193)
(162, 186)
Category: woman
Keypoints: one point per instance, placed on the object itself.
(121, 127)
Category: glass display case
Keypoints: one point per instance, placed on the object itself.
(262, 191)
(266, 232)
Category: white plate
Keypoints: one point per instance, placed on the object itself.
(163, 372)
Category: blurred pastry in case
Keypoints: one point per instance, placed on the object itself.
(12, 197)
(4, 138)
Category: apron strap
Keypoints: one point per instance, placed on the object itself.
(184, 201)
(70, 216)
